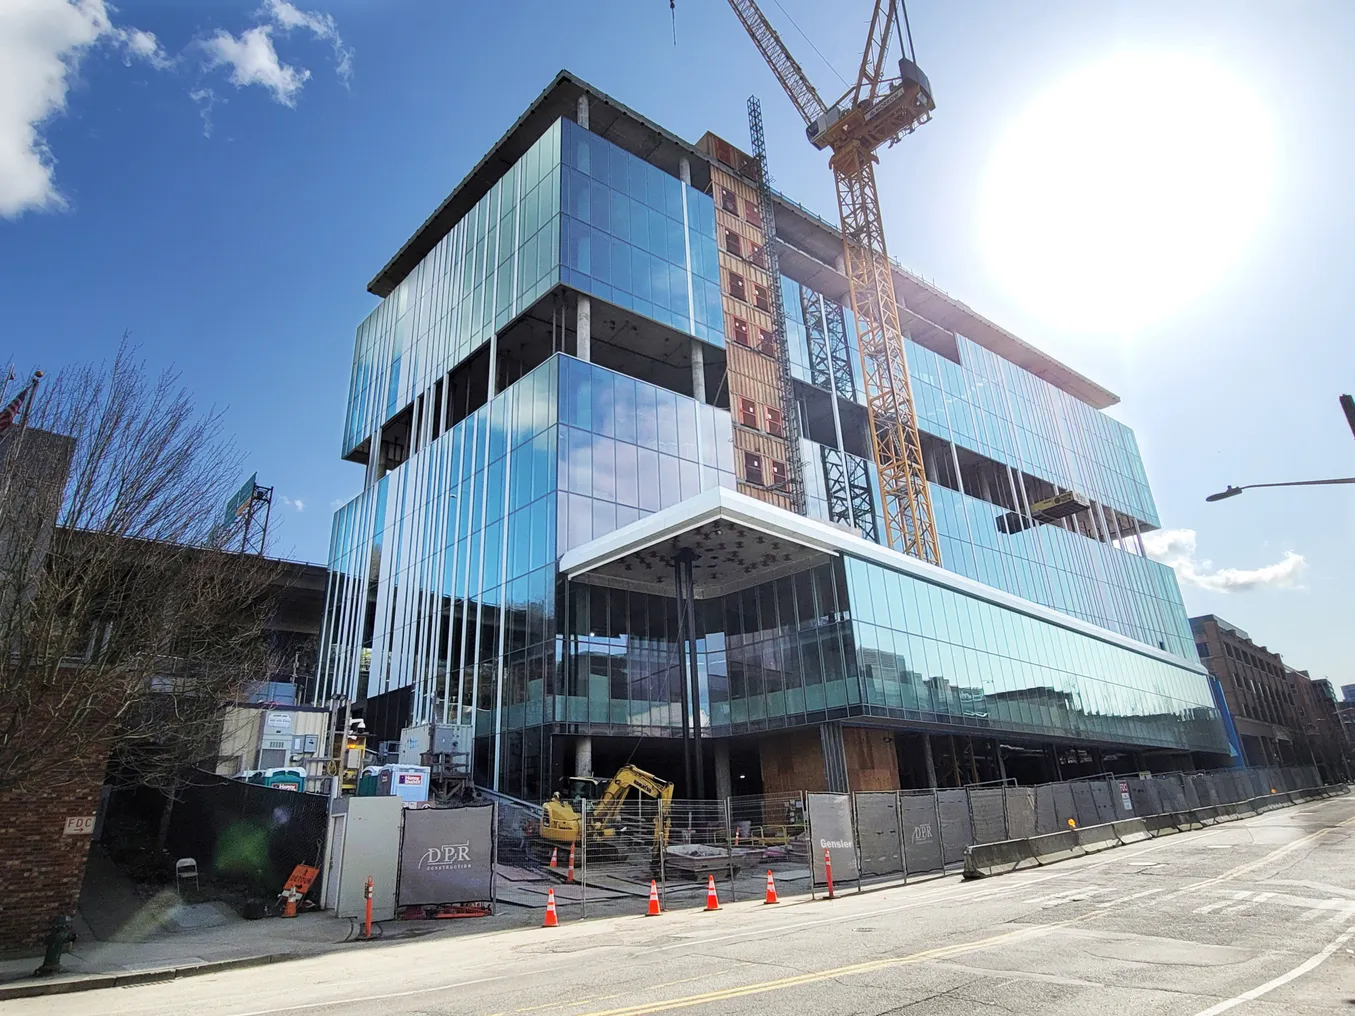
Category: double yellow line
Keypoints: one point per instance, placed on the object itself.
(944, 952)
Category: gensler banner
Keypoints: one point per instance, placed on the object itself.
(446, 855)
(830, 825)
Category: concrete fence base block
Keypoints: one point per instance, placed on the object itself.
(1004, 856)
(982, 860)
(1133, 830)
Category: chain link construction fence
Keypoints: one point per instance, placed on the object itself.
(608, 860)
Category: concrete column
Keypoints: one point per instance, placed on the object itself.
(582, 114)
(698, 371)
(583, 756)
(724, 780)
(927, 757)
(1001, 765)
(583, 330)
(685, 170)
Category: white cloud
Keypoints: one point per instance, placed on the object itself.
(322, 26)
(143, 46)
(253, 58)
(1176, 549)
(206, 100)
(41, 45)
(253, 61)
(294, 502)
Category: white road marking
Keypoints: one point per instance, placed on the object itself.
(1133, 896)
(1309, 964)
(1342, 915)
(1244, 907)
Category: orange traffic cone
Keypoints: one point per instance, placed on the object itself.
(771, 889)
(555, 857)
(569, 876)
(653, 899)
(552, 919)
(712, 900)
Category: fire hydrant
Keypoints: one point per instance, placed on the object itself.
(56, 943)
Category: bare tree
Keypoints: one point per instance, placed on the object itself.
(125, 626)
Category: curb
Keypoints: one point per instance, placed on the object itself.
(35, 988)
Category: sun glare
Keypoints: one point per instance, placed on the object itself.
(1127, 190)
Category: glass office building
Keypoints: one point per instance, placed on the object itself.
(577, 532)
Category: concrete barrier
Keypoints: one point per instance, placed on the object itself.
(1160, 825)
(1053, 847)
(1131, 830)
(1094, 839)
(984, 859)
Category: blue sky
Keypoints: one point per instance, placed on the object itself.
(221, 179)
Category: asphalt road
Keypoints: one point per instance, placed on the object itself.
(1257, 917)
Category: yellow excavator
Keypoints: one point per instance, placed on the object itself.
(561, 817)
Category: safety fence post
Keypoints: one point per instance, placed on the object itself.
(583, 832)
(940, 829)
(665, 834)
(809, 841)
(898, 829)
(729, 848)
(856, 838)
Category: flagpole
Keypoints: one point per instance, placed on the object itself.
(28, 402)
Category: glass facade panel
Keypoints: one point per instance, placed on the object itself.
(636, 237)
(1024, 675)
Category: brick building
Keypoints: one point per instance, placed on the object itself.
(1282, 716)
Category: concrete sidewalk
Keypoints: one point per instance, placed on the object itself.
(167, 954)
(95, 964)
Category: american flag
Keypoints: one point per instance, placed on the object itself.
(11, 412)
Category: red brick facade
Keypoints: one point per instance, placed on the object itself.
(41, 868)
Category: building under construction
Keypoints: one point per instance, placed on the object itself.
(641, 486)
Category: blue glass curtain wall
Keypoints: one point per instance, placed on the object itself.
(639, 238)
(932, 653)
(628, 448)
(499, 259)
(444, 571)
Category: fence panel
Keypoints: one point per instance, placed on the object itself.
(956, 831)
(1105, 804)
(1144, 793)
(1084, 805)
(1064, 806)
(830, 830)
(877, 833)
(1020, 812)
(1190, 792)
(1046, 810)
(987, 810)
(921, 837)
(700, 844)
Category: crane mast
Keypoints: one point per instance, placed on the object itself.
(877, 110)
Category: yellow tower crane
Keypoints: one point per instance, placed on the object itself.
(878, 110)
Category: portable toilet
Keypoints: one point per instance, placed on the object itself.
(367, 782)
(409, 783)
(288, 778)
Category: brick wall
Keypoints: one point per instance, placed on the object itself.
(41, 868)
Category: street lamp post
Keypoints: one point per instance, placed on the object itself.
(1232, 491)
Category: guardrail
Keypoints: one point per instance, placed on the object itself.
(1005, 856)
